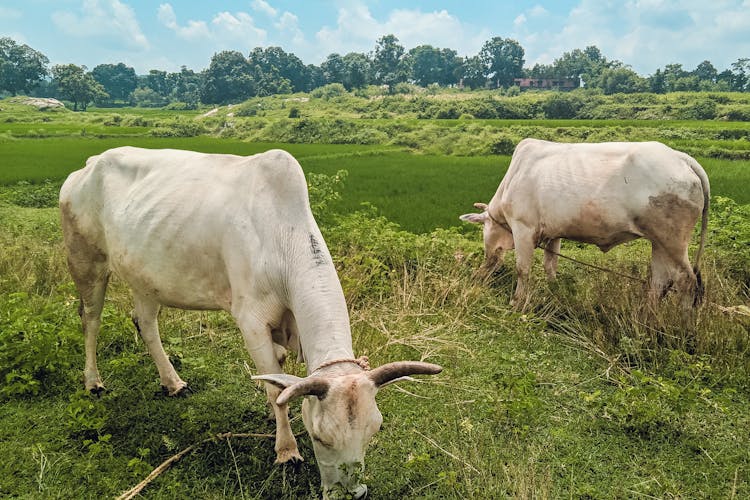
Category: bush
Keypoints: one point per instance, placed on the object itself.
(37, 344)
(561, 106)
(702, 109)
(738, 113)
(329, 91)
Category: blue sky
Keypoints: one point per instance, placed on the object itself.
(165, 35)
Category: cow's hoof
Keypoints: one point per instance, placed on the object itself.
(182, 390)
(97, 390)
(284, 456)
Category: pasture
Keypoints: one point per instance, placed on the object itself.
(580, 396)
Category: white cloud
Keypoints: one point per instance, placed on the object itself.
(289, 24)
(647, 34)
(357, 31)
(537, 11)
(226, 29)
(192, 30)
(265, 7)
(519, 20)
(105, 20)
(239, 27)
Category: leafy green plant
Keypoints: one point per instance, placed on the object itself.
(37, 345)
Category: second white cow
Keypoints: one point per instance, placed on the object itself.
(604, 194)
(208, 231)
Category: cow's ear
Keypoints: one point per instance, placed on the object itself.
(280, 380)
(474, 218)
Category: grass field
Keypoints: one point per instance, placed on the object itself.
(419, 192)
(583, 395)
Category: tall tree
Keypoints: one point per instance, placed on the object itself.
(334, 68)
(706, 71)
(21, 67)
(228, 79)
(503, 60)
(358, 70)
(118, 80)
(185, 86)
(76, 85)
(473, 74)
(272, 64)
(386, 62)
(741, 75)
(427, 64)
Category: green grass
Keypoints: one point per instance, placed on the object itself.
(529, 405)
(35, 160)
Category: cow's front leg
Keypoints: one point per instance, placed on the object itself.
(524, 241)
(145, 321)
(259, 344)
(551, 251)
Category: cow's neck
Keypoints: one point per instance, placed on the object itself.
(317, 302)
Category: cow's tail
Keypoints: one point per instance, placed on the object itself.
(699, 287)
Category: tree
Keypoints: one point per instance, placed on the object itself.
(185, 86)
(358, 70)
(334, 69)
(76, 85)
(228, 79)
(706, 71)
(427, 64)
(21, 67)
(741, 75)
(118, 80)
(473, 73)
(672, 73)
(621, 80)
(657, 82)
(271, 66)
(387, 62)
(503, 60)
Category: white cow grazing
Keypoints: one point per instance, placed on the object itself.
(209, 231)
(604, 194)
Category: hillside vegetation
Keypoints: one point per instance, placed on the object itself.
(582, 395)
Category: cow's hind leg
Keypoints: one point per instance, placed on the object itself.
(260, 345)
(90, 272)
(145, 321)
(670, 268)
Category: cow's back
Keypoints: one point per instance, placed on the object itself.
(171, 220)
(590, 192)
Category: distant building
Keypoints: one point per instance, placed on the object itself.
(547, 83)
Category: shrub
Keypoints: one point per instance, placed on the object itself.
(561, 106)
(37, 344)
(701, 109)
(329, 91)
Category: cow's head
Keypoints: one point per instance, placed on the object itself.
(496, 232)
(341, 416)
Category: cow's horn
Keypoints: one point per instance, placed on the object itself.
(480, 206)
(310, 386)
(392, 371)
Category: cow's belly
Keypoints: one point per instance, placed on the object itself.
(177, 280)
(605, 241)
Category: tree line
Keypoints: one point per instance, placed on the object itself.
(233, 77)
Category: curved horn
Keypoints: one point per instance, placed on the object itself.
(310, 386)
(480, 206)
(391, 371)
